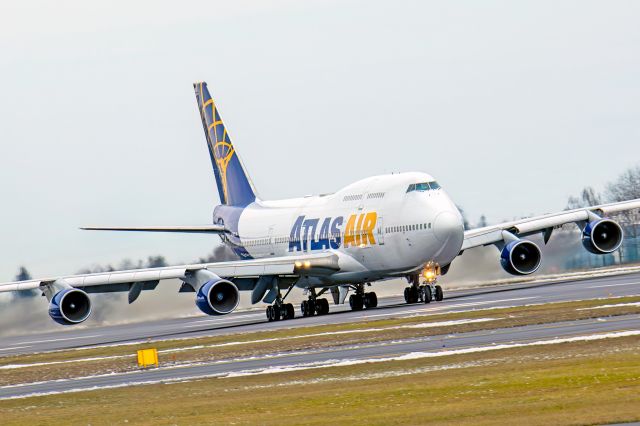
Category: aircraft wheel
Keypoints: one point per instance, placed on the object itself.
(270, 313)
(370, 300)
(278, 313)
(439, 293)
(356, 302)
(304, 307)
(322, 306)
(427, 294)
(412, 294)
(291, 313)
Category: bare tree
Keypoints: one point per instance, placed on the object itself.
(465, 221)
(220, 253)
(156, 262)
(588, 197)
(626, 187)
(482, 222)
(24, 275)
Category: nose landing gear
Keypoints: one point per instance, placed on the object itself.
(429, 290)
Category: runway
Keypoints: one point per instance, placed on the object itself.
(250, 321)
(513, 295)
(333, 356)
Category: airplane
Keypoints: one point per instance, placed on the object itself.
(383, 227)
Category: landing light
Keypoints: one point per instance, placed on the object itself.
(430, 272)
(307, 264)
(298, 264)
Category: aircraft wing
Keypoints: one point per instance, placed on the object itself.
(544, 224)
(309, 264)
(198, 229)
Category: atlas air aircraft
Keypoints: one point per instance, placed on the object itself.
(380, 228)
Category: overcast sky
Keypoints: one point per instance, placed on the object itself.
(513, 106)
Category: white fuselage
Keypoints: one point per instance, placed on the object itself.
(376, 226)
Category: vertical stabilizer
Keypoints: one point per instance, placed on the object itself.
(234, 186)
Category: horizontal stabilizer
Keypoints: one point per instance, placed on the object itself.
(200, 229)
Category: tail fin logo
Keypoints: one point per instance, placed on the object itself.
(234, 186)
(222, 148)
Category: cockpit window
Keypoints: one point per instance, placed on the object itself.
(424, 186)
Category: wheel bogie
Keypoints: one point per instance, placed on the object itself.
(280, 312)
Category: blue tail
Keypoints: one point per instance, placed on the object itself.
(234, 186)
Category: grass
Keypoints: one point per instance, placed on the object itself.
(570, 383)
(296, 339)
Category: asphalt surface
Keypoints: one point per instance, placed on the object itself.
(249, 321)
(330, 356)
(514, 295)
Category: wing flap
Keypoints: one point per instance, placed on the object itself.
(282, 266)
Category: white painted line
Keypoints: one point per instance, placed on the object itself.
(15, 347)
(63, 339)
(613, 285)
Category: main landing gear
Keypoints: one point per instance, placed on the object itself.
(361, 300)
(280, 310)
(313, 305)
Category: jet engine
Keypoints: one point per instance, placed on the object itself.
(520, 257)
(70, 306)
(602, 236)
(218, 297)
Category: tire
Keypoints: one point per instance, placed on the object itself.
(291, 313)
(356, 302)
(413, 294)
(312, 307)
(427, 294)
(322, 306)
(406, 294)
(439, 293)
(277, 313)
(270, 313)
(373, 300)
(304, 308)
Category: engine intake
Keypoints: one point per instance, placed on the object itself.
(520, 257)
(70, 306)
(218, 297)
(602, 236)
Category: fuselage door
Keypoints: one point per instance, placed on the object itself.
(380, 231)
(272, 244)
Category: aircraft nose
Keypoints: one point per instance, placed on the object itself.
(447, 225)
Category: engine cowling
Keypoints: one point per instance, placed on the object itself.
(520, 257)
(218, 297)
(70, 306)
(602, 236)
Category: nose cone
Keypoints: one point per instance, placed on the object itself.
(446, 226)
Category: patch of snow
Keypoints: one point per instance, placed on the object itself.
(619, 305)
